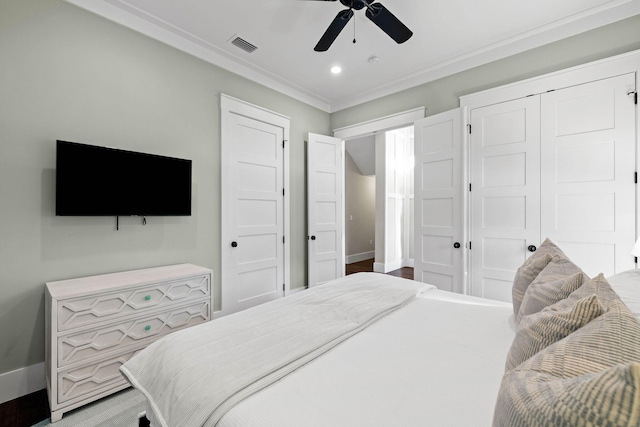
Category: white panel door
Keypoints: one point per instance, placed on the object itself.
(438, 245)
(325, 182)
(588, 164)
(505, 193)
(253, 212)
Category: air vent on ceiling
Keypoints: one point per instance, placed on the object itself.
(243, 44)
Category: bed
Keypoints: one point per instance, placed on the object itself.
(413, 355)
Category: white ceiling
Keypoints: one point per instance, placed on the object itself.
(449, 36)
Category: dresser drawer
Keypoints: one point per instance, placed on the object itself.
(85, 311)
(92, 379)
(81, 346)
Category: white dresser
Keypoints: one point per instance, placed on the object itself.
(95, 324)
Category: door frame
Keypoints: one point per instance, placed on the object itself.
(373, 127)
(228, 106)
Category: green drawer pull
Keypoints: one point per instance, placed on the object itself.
(147, 298)
(147, 328)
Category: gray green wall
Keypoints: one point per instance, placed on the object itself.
(443, 94)
(68, 74)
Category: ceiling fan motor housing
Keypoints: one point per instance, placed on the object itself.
(356, 4)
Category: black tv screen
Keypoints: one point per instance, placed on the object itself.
(97, 181)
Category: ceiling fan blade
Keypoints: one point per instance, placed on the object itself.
(341, 19)
(388, 23)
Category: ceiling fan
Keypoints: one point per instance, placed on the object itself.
(376, 12)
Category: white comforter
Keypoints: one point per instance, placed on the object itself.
(193, 377)
(436, 362)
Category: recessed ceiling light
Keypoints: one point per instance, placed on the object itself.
(374, 59)
(336, 70)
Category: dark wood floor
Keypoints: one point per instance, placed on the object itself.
(33, 408)
(25, 411)
(367, 266)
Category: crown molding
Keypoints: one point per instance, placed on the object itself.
(120, 12)
(188, 43)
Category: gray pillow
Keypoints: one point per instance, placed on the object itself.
(601, 287)
(589, 378)
(608, 398)
(555, 282)
(539, 330)
(530, 269)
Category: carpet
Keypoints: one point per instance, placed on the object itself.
(118, 410)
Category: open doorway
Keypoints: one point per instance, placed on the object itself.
(375, 130)
(379, 203)
(360, 204)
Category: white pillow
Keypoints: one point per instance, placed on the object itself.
(627, 286)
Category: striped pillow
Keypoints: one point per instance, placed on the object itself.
(554, 283)
(539, 330)
(524, 276)
(610, 339)
(609, 398)
(599, 286)
(530, 269)
(577, 381)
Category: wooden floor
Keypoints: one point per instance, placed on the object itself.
(25, 411)
(367, 266)
(33, 408)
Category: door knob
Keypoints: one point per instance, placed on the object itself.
(456, 245)
(532, 248)
(234, 244)
(313, 237)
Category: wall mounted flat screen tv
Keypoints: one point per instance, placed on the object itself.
(102, 181)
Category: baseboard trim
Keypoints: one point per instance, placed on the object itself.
(380, 267)
(21, 382)
(350, 259)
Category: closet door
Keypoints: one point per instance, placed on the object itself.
(505, 193)
(588, 165)
(438, 245)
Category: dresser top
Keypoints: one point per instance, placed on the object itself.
(72, 288)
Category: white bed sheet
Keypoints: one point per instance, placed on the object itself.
(627, 286)
(436, 362)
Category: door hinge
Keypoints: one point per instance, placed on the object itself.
(635, 259)
(283, 288)
(635, 179)
(635, 96)
(469, 186)
(283, 239)
(283, 141)
(469, 127)
(283, 191)
(469, 245)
